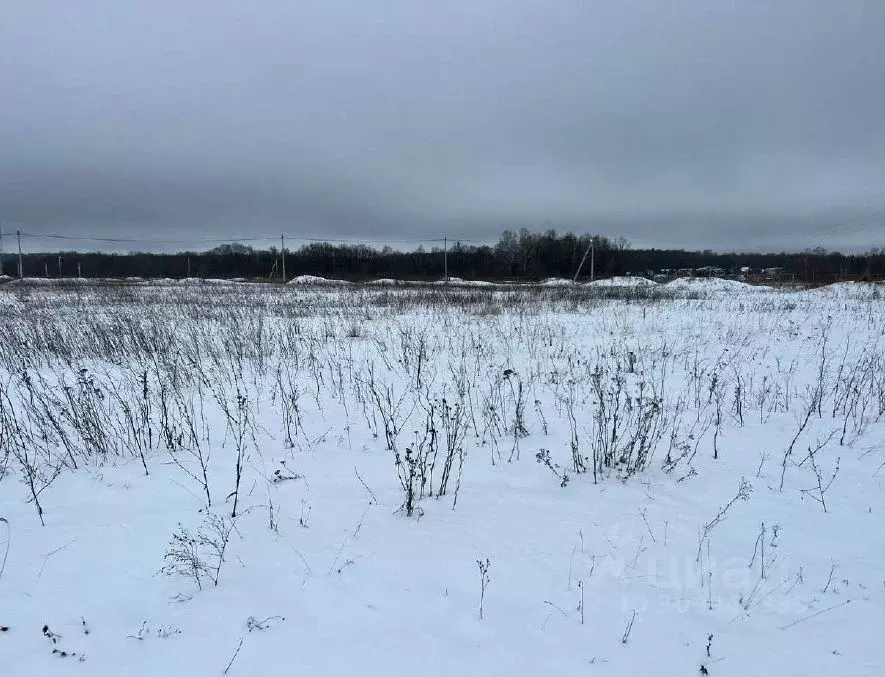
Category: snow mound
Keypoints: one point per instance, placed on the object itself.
(315, 280)
(621, 281)
(50, 281)
(849, 290)
(461, 282)
(205, 280)
(393, 282)
(476, 283)
(37, 281)
(556, 282)
(193, 281)
(713, 285)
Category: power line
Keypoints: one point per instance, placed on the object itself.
(249, 238)
(86, 238)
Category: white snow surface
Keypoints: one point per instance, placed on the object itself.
(557, 282)
(452, 281)
(713, 285)
(202, 281)
(38, 281)
(385, 282)
(477, 283)
(325, 574)
(850, 290)
(622, 281)
(316, 280)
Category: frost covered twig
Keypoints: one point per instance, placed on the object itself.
(234, 657)
(484, 580)
(743, 494)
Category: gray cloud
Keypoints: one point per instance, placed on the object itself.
(694, 123)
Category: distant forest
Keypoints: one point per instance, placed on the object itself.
(522, 256)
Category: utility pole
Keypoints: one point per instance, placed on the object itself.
(46, 269)
(592, 259)
(21, 268)
(283, 254)
(446, 257)
(79, 271)
(188, 265)
(59, 266)
(592, 251)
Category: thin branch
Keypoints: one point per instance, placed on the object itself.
(236, 653)
(8, 541)
(816, 614)
(365, 486)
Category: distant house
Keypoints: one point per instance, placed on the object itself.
(772, 273)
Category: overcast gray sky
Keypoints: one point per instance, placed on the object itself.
(749, 124)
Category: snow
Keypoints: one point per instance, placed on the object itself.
(203, 281)
(392, 282)
(476, 283)
(315, 280)
(345, 581)
(557, 282)
(713, 285)
(212, 280)
(37, 281)
(849, 290)
(452, 282)
(460, 282)
(620, 281)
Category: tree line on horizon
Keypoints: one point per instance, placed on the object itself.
(517, 256)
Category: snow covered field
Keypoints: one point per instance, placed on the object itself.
(254, 480)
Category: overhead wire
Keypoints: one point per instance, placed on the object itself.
(232, 239)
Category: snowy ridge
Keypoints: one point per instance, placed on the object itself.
(713, 285)
(313, 280)
(386, 282)
(849, 290)
(623, 282)
(557, 282)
